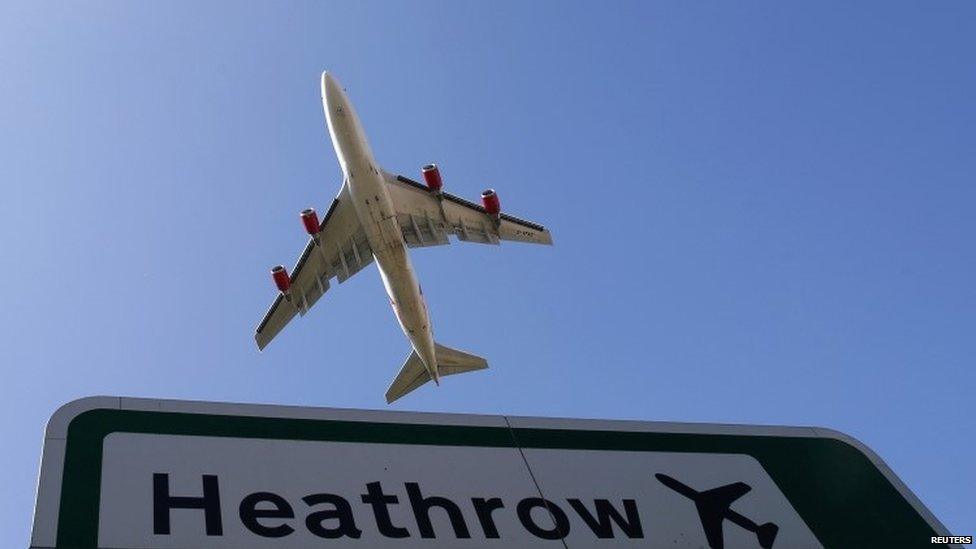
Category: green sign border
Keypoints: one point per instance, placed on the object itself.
(840, 494)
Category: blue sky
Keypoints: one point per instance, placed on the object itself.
(763, 213)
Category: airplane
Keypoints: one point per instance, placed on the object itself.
(713, 508)
(379, 216)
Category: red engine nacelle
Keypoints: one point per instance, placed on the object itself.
(280, 275)
(489, 199)
(433, 177)
(311, 221)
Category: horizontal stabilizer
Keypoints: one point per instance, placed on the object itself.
(451, 361)
(414, 373)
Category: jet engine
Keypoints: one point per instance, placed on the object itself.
(281, 279)
(311, 221)
(489, 199)
(433, 177)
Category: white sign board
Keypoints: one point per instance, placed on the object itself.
(138, 474)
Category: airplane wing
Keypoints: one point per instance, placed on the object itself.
(426, 218)
(340, 250)
(712, 524)
(723, 496)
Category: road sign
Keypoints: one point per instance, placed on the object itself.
(138, 473)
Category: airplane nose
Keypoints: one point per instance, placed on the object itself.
(328, 84)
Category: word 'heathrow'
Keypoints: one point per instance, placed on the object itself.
(331, 516)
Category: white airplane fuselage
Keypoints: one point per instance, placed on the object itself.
(367, 190)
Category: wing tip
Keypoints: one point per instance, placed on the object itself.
(260, 341)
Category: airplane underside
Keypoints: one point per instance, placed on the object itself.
(380, 216)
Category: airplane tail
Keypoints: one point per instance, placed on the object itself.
(413, 373)
(767, 534)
